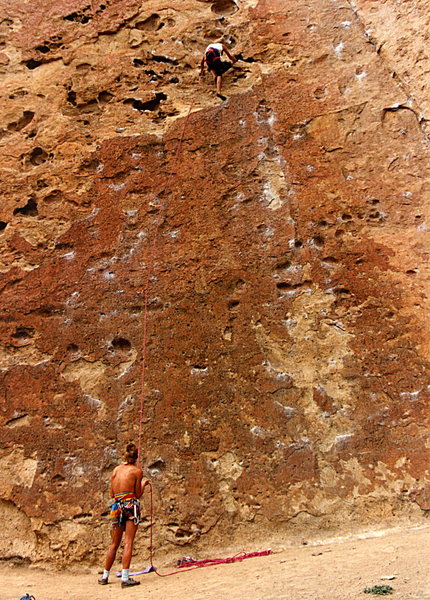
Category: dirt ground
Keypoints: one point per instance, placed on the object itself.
(339, 570)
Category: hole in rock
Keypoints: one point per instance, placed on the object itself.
(18, 94)
(149, 104)
(83, 67)
(43, 49)
(346, 217)
(77, 18)
(38, 156)
(164, 59)
(152, 23)
(71, 97)
(212, 34)
(320, 92)
(72, 348)
(343, 291)
(173, 80)
(54, 196)
(154, 76)
(284, 285)
(319, 240)
(158, 464)
(32, 134)
(120, 344)
(283, 264)
(90, 163)
(33, 64)
(90, 107)
(29, 210)
(182, 533)
(26, 118)
(411, 271)
(298, 244)
(331, 260)
(138, 62)
(64, 246)
(17, 560)
(3, 225)
(224, 7)
(374, 215)
(233, 304)
(105, 97)
(16, 420)
(23, 335)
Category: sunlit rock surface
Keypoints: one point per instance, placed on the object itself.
(287, 378)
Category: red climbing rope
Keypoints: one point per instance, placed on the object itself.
(150, 274)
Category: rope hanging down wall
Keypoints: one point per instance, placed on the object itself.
(189, 565)
(150, 274)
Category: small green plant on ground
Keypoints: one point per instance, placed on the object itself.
(381, 590)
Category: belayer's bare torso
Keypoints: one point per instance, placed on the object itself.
(127, 478)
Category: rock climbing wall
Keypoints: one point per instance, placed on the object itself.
(287, 378)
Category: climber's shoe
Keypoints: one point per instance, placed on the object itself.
(129, 583)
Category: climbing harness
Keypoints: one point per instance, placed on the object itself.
(126, 506)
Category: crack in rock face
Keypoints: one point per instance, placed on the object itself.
(268, 253)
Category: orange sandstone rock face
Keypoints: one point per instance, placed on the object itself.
(286, 383)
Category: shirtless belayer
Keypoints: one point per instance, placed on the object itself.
(126, 489)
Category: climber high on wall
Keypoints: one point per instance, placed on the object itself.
(212, 59)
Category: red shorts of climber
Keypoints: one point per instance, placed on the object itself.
(212, 58)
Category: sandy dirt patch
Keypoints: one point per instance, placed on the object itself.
(339, 570)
